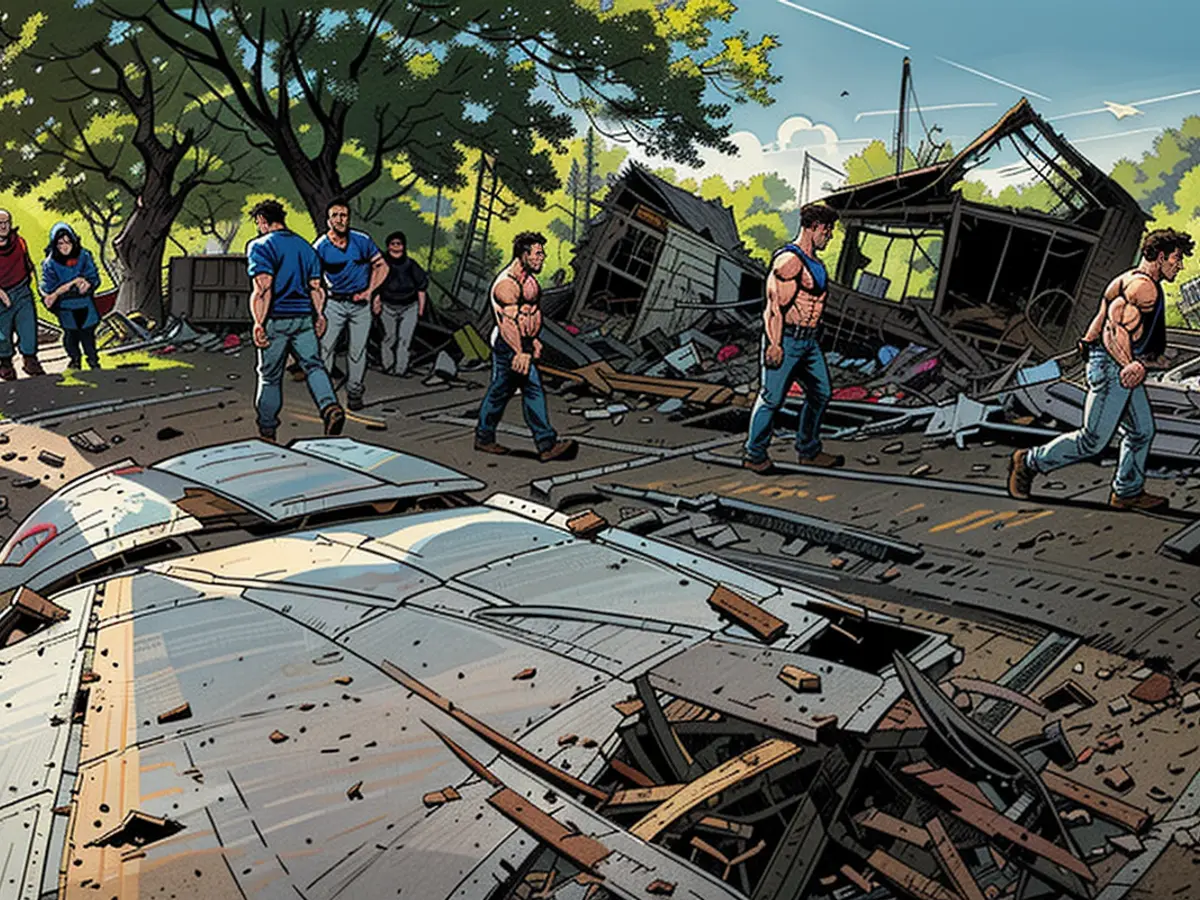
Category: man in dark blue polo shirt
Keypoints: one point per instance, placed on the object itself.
(353, 268)
(287, 303)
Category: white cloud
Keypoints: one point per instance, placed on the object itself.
(784, 155)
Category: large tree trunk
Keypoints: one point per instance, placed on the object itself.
(139, 248)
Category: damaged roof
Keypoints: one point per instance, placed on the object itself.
(707, 218)
(933, 182)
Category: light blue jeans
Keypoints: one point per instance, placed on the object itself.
(21, 317)
(1109, 406)
(346, 315)
(295, 335)
(803, 361)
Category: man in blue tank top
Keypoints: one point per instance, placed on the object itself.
(1128, 332)
(796, 288)
(288, 305)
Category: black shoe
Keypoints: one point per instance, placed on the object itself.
(334, 418)
(267, 434)
(354, 403)
(94, 363)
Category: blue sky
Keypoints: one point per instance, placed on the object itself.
(1077, 53)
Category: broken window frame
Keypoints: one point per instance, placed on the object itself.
(913, 234)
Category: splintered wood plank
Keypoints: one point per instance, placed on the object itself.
(582, 850)
(939, 778)
(908, 879)
(1104, 806)
(635, 796)
(747, 613)
(993, 824)
(877, 820)
(630, 773)
(952, 862)
(763, 757)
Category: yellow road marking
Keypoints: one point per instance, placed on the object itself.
(825, 497)
(913, 508)
(946, 526)
(778, 492)
(990, 520)
(1030, 518)
(750, 488)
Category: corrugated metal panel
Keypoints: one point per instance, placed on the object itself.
(93, 518)
(422, 475)
(278, 483)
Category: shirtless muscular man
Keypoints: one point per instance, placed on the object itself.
(796, 290)
(515, 350)
(1128, 332)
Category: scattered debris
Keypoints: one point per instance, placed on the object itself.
(445, 367)
(54, 460)
(89, 441)
(749, 615)
(277, 737)
(354, 792)
(344, 679)
(137, 829)
(1118, 778)
(1190, 702)
(798, 679)
(178, 713)
(1119, 705)
(586, 524)
(169, 433)
(524, 675)
(660, 888)
(1154, 688)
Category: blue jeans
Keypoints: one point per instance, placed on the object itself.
(295, 335)
(21, 317)
(1108, 406)
(504, 384)
(803, 361)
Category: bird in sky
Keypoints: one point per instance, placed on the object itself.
(845, 93)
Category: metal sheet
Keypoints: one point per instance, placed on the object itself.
(420, 476)
(742, 681)
(24, 835)
(447, 543)
(94, 518)
(278, 483)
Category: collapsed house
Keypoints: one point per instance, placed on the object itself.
(981, 281)
(656, 256)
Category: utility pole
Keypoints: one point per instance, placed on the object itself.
(902, 125)
(589, 173)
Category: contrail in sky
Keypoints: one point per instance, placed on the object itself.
(1007, 84)
(1100, 109)
(892, 112)
(1115, 134)
(839, 22)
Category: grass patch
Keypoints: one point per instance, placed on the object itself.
(144, 361)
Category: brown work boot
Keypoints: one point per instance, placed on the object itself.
(32, 366)
(1020, 475)
(1142, 502)
(334, 418)
(758, 466)
(7, 372)
(824, 460)
(490, 447)
(562, 450)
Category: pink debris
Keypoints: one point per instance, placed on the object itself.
(855, 392)
(232, 341)
(928, 366)
(728, 352)
(795, 390)
(571, 329)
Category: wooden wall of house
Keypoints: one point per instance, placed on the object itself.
(686, 270)
(1117, 250)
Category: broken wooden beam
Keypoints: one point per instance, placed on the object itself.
(508, 747)
(583, 851)
(643, 795)
(726, 827)
(763, 757)
(952, 863)
(799, 679)
(586, 524)
(747, 613)
(1097, 802)
(877, 820)
(863, 884)
(907, 879)
(630, 773)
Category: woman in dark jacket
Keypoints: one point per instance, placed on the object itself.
(69, 281)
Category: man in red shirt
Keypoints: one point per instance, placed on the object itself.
(17, 312)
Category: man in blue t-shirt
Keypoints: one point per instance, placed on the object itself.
(353, 268)
(288, 303)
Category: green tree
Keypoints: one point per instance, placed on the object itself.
(106, 115)
(420, 83)
(1157, 177)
